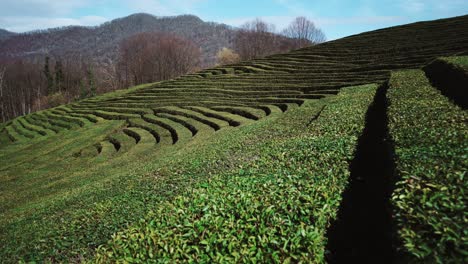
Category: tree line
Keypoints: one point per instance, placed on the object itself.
(47, 80)
(28, 86)
(257, 38)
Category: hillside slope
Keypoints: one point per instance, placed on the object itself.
(5, 34)
(242, 162)
(101, 43)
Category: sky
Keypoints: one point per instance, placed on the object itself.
(337, 18)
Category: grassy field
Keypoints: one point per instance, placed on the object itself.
(248, 162)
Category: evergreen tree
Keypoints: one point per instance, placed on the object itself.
(83, 91)
(59, 78)
(49, 77)
(91, 82)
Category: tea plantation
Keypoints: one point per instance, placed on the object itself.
(354, 149)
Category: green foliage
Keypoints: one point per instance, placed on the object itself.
(49, 76)
(276, 208)
(159, 169)
(460, 61)
(59, 77)
(56, 99)
(91, 82)
(84, 93)
(431, 140)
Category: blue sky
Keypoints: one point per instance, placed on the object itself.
(337, 18)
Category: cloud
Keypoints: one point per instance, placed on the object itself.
(155, 7)
(26, 15)
(451, 5)
(446, 7)
(367, 20)
(23, 24)
(413, 6)
(283, 21)
(163, 7)
(291, 6)
(44, 7)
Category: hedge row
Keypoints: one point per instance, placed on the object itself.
(214, 114)
(275, 210)
(31, 127)
(65, 119)
(163, 123)
(431, 142)
(11, 134)
(151, 128)
(18, 128)
(185, 123)
(107, 115)
(450, 75)
(192, 115)
(41, 120)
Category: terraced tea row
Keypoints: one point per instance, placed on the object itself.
(175, 124)
(266, 214)
(275, 81)
(431, 142)
(165, 114)
(450, 76)
(159, 125)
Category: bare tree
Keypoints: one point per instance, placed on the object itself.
(255, 39)
(227, 56)
(25, 86)
(108, 77)
(149, 57)
(304, 32)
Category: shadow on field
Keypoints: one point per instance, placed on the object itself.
(363, 231)
(450, 80)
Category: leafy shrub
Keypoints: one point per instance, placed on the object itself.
(431, 139)
(460, 61)
(56, 99)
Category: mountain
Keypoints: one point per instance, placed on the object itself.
(101, 43)
(5, 34)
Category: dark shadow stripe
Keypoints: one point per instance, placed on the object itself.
(363, 231)
(450, 80)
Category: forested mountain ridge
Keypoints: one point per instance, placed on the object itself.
(101, 43)
(5, 34)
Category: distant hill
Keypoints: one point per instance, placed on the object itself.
(101, 42)
(4, 34)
